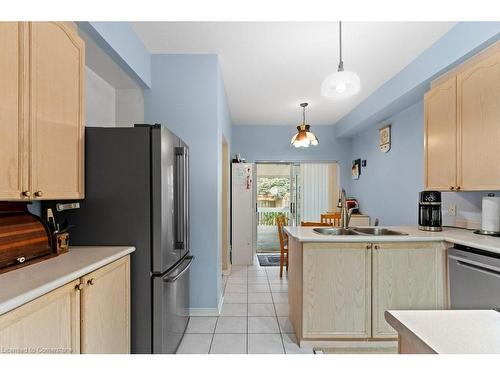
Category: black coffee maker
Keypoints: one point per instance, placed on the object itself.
(429, 211)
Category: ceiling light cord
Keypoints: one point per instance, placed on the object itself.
(341, 63)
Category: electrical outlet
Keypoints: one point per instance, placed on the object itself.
(452, 210)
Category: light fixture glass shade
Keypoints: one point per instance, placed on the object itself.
(304, 138)
(341, 84)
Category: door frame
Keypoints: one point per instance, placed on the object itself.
(225, 208)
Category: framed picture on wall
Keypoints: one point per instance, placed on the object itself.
(385, 138)
(356, 169)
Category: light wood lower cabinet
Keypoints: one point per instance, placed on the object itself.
(340, 291)
(106, 309)
(337, 290)
(88, 315)
(49, 324)
(406, 276)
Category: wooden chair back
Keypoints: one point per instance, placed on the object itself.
(314, 224)
(281, 221)
(332, 219)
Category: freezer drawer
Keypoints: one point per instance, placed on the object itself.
(171, 307)
(474, 280)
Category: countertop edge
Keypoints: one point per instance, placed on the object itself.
(399, 326)
(407, 238)
(33, 294)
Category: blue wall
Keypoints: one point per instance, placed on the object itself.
(184, 96)
(388, 187)
(272, 143)
(121, 42)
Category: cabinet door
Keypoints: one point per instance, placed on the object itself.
(12, 119)
(406, 276)
(106, 309)
(57, 90)
(479, 125)
(337, 290)
(48, 324)
(440, 141)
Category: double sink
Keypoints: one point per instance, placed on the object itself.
(373, 231)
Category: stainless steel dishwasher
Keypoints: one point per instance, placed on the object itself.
(474, 278)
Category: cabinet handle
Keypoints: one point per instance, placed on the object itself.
(458, 187)
(452, 188)
(376, 247)
(26, 194)
(91, 281)
(79, 286)
(368, 247)
(38, 193)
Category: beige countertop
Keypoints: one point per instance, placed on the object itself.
(451, 331)
(25, 284)
(457, 236)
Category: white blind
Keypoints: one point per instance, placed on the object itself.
(315, 197)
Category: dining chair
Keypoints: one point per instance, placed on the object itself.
(281, 222)
(332, 219)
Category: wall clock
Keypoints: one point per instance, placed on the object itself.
(385, 138)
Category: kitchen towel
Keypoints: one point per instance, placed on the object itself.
(491, 214)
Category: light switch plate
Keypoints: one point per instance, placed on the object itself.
(452, 210)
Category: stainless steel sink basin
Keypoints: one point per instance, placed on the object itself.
(376, 231)
(336, 231)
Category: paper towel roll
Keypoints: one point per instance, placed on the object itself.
(491, 214)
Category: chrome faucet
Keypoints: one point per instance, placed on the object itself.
(345, 213)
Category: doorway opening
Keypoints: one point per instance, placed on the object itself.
(301, 191)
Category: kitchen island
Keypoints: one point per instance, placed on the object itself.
(341, 285)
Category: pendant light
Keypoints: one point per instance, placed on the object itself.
(304, 137)
(342, 83)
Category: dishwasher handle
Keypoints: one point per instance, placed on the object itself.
(481, 267)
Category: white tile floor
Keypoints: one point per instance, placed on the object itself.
(254, 317)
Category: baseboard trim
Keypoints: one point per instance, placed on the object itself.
(214, 311)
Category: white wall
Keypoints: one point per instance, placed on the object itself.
(129, 107)
(100, 101)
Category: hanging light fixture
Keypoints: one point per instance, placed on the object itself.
(342, 83)
(304, 137)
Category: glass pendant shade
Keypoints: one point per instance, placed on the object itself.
(304, 138)
(341, 84)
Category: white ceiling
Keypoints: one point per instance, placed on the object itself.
(270, 67)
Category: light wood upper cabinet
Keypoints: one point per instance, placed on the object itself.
(441, 136)
(479, 119)
(106, 309)
(49, 324)
(13, 161)
(42, 102)
(336, 290)
(462, 126)
(407, 276)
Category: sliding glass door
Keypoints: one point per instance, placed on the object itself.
(273, 199)
(301, 191)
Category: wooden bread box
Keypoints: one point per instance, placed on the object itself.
(24, 238)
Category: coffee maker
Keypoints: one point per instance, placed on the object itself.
(429, 211)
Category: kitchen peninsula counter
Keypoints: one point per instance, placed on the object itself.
(451, 235)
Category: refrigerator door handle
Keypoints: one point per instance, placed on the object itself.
(180, 199)
(186, 198)
(171, 279)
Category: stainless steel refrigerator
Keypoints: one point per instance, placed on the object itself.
(137, 193)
